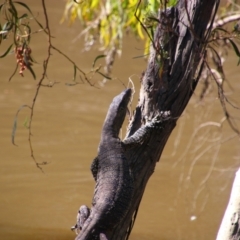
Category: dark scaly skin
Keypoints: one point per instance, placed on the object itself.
(114, 181)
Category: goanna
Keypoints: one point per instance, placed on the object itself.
(111, 171)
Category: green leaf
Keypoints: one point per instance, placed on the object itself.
(26, 6)
(1, 6)
(235, 47)
(172, 3)
(8, 50)
(32, 59)
(15, 123)
(23, 16)
(14, 130)
(7, 26)
(13, 10)
(26, 123)
(31, 70)
(98, 57)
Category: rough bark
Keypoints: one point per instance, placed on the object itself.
(230, 226)
(182, 31)
(173, 71)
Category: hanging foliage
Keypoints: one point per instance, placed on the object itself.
(107, 20)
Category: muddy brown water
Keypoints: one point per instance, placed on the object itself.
(188, 192)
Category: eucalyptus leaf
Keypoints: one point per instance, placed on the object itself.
(23, 16)
(98, 57)
(15, 123)
(1, 6)
(26, 6)
(235, 47)
(31, 70)
(7, 26)
(8, 50)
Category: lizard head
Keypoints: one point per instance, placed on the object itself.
(117, 112)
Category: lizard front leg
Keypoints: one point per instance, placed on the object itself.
(144, 132)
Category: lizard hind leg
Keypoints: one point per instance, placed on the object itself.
(83, 214)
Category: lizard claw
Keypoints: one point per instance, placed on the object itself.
(163, 115)
(74, 227)
(159, 118)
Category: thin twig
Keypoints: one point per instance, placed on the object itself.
(222, 99)
(45, 65)
(14, 72)
(71, 61)
(44, 75)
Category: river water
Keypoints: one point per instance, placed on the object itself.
(188, 192)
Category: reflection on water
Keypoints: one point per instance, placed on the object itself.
(187, 194)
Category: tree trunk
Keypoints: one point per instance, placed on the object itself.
(169, 81)
(174, 68)
(230, 227)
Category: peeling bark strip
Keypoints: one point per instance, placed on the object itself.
(173, 71)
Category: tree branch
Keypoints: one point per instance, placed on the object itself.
(230, 228)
